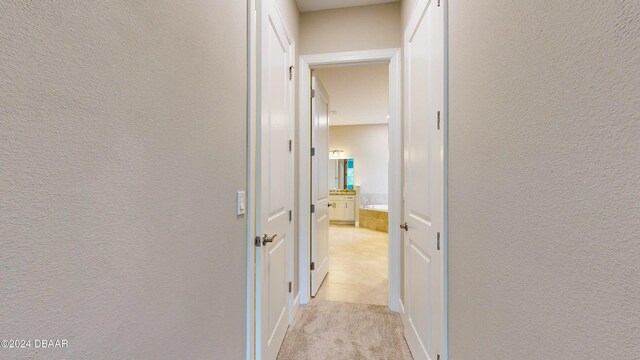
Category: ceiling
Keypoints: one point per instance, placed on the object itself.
(315, 5)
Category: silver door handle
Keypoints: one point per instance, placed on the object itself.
(404, 226)
(266, 239)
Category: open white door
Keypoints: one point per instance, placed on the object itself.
(319, 184)
(274, 181)
(424, 178)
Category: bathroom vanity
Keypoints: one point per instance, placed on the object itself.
(342, 207)
(343, 196)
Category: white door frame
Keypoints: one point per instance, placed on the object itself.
(388, 56)
(445, 184)
(252, 193)
(250, 349)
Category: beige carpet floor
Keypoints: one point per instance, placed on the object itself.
(326, 330)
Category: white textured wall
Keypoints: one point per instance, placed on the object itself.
(368, 145)
(544, 180)
(358, 95)
(351, 29)
(122, 143)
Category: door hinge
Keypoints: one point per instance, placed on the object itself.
(313, 265)
(438, 5)
(313, 93)
(291, 68)
(313, 151)
(438, 240)
(313, 208)
(289, 287)
(438, 357)
(438, 120)
(258, 241)
(290, 145)
(290, 215)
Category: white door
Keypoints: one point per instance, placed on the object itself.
(424, 176)
(319, 185)
(274, 182)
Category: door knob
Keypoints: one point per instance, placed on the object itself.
(266, 239)
(329, 205)
(404, 226)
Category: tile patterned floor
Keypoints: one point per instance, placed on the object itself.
(358, 264)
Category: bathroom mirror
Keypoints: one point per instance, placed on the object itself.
(341, 174)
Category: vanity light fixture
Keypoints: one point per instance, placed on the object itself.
(336, 154)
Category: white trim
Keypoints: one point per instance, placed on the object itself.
(250, 190)
(294, 308)
(292, 167)
(391, 57)
(395, 180)
(445, 199)
(304, 184)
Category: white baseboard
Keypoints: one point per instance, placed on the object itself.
(403, 314)
(296, 305)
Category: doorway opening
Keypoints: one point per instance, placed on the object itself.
(363, 239)
(358, 182)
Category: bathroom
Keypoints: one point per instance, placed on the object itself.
(358, 182)
(358, 168)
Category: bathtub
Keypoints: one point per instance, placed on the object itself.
(374, 217)
(377, 207)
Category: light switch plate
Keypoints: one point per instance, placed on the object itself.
(240, 208)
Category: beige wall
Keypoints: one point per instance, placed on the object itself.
(368, 145)
(350, 29)
(358, 94)
(544, 193)
(122, 144)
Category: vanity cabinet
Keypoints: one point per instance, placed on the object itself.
(350, 209)
(343, 208)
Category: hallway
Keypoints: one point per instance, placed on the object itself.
(325, 330)
(169, 174)
(358, 266)
(349, 318)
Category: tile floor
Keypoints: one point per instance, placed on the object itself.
(358, 264)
